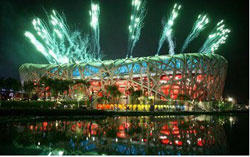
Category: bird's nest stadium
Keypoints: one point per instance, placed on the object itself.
(196, 75)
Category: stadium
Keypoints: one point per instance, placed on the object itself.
(177, 75)
(195, 75)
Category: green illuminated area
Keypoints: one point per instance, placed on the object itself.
(199, 25)
(94, 23)
(168, 30)
(57, 43)
(216, 38)
(136, 24)
(60, 45)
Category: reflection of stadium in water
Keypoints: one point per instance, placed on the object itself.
(126, 135)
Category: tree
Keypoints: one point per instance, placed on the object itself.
(10, 83)
(28, 86)
(60, 86)
(135, 95)
(2, 82)
(184, 97)
(56, 86)
(114, 93)
(45, 82)
(82, 83)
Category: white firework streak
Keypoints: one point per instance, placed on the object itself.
(167, 31)
(199, 25)
(57, 43)
(216, 38)
(94, 23)
(136, 24)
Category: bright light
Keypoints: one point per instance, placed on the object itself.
(55, 41)
(167, 31)
(36, 43)
(162, 137)
(94, 23)
(230, 99)
(136, 24)
(60, 153)
(94, 14)
(199, 25)
(216, 38)
(231, 119)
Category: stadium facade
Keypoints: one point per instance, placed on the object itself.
(195, 75)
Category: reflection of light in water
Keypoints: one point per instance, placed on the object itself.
(231, 119)
(197, 135)
(203, 118)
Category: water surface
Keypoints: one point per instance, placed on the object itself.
(153, 135)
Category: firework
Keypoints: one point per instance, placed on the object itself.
(199, 25)
(94, 23)
(57, 43)
(216, 38)
(168, 31)
(136, 24)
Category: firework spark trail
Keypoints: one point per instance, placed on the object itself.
(58, 44)
(167, 31)
(199, 25)
(136, 24)
(39, 46)
(94, 23)
(216, 38)
(163, 37)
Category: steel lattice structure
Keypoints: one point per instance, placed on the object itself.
(196, 75)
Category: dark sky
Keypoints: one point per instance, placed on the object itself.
(16, 17)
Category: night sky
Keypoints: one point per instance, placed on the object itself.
(16, 17)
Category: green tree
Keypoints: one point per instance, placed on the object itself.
(28, 87)
(114, 93)
(56, 86)
(11, 83)
(135, 95)
(84, 84)
(59, 86)
(184, 97)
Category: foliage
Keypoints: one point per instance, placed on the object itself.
(184, 97)
(10, 83)
(102, 100)
(83, 82)
(135, 95)
(113, 93)
(28, 86)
